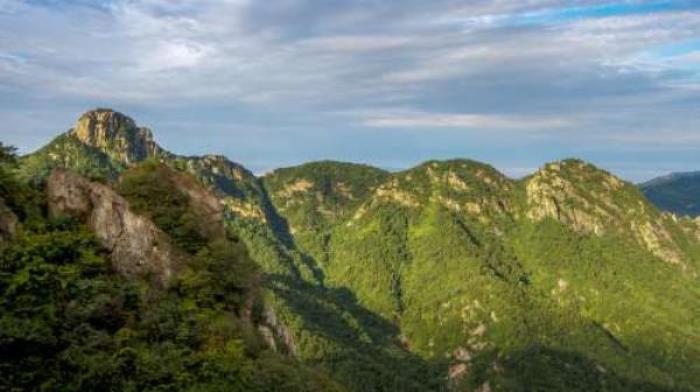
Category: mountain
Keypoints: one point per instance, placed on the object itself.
(445, 275)
(677, 193)
(136, 286)
(473, 266)
(334, 328)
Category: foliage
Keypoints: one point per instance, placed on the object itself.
(68, 322)
(530, 299)
(65, 151)
(385, 280)
(151, 191)
(8, 162)
(23, 201)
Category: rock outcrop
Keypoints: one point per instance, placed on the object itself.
(8, 222)
(276, 334)
(116, 135)
(138, 248)
(593, 201)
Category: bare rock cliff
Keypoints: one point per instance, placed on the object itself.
(138, 248)
(116, 135)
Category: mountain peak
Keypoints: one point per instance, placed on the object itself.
(115, 134)
(100, 125)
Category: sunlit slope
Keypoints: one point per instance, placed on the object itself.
(472, 265)
(448, 272)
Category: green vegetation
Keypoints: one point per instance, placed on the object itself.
(527, 302)
(67, 152)
(68, 322)
(23, 201)
(445, 275)
(152, 192)
(10, 189)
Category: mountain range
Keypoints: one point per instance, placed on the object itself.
(448, 275)
(677, 192)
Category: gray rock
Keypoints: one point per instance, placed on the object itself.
(137, 246)
(116, 135)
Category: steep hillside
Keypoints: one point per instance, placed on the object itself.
(448, 274)
(590, 200)
(104, 294)
(678, 193)
(319, 325)
(316, 196)
(479, 269)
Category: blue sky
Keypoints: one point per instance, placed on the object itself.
(392, 83)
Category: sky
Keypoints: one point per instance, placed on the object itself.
(392, 83)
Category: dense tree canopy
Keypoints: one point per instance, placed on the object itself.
(68, 322)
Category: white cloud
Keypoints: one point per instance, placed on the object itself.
(478, 121)
(448, 65)
(171, 55)
(357, 43)
(231, 52)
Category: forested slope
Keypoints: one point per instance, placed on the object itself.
(448, 274)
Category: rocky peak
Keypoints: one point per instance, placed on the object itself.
(116, 135)
(576, 193)
(592, 200)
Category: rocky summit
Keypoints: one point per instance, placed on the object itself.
(116, 135)
(340, 276)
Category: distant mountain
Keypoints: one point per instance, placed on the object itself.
(448, 275)
(678, 193)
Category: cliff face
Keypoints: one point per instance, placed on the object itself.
(137, 247)
(116, 135)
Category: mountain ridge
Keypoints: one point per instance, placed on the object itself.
(675, 192)
(668, 177)
(449, 269)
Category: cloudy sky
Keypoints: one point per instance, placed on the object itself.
(271, 83)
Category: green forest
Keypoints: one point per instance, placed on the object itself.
(448, 276)
(68, 322)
